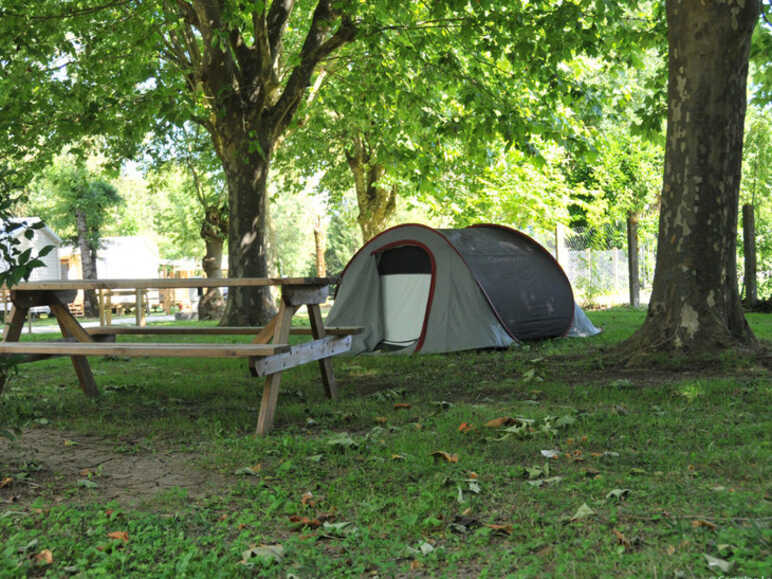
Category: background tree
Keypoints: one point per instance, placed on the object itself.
(756, 197)
(695, 304)
(76, 202)
(419, 106)
(188, 149)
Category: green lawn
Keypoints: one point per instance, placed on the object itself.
(652, 472)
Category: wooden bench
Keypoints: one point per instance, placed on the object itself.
(265, 359)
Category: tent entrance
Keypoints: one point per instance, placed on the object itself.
(406, 274)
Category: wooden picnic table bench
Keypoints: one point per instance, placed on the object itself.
(265, 359)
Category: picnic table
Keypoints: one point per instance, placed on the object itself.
(269, 352)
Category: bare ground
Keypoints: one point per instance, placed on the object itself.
(52, 464)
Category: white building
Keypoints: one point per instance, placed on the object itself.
(41, 238)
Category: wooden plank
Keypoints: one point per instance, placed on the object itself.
(272, 382)
(71, 328)
(163, 349)
(302, 354)
(42, 297)
(15, 325)
(147, 283)
(213, 330)
(68, 324)
(101, 296)
(325, 364)
(139, 307)
(265, 335)
(11, 334)
(302, 295)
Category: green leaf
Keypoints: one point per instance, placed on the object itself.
(267, 553)
(583, 512)
(342, 440)
(566, 420)
(88, 484)
(715, 562)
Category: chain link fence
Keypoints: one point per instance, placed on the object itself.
(596, 262)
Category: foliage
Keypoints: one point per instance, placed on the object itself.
(67, 189)
(756, 189)
(16, 260)
(437, 93)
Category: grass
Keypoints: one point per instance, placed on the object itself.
(673, 466)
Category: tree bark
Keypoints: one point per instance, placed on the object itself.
(247, 235)
(88, 264)
(749, 249)
(634, 279)
(213, 231)
(376, 203)
(695, 305)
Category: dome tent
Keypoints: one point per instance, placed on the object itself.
(417, 289)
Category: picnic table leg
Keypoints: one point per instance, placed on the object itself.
(72, 329)
(271, 388)
(325, 364)
(12, 333)
(139, 314)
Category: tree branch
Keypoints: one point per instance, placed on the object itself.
(276, 25)
(315, 48)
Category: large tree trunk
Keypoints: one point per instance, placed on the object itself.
(247, 176)
(88, 263)
(213, 231)
(695, 305)
(376, 204)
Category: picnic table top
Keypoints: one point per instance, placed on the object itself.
(161, 283)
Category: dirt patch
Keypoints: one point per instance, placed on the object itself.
(49, 464)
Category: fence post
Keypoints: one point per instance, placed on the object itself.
(632, 260)
(749, 248)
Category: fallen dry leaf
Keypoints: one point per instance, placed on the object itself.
(445, 455)
(702, 523)
(401, 405)
(621, 539)
(119, 536)
(499, 422)
(223, 517)
(465, 427)
(500, 529)
(415, 564)
(6, 482)
(305, 522)
(45, 557)
(308, 499)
